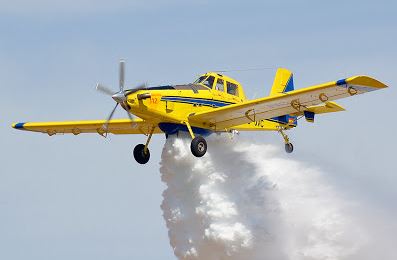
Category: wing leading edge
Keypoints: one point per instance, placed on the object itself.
(295, 101)
(117, 126)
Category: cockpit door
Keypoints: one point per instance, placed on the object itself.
(219, 89)
(232, 91)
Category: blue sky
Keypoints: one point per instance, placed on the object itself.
(84, 197)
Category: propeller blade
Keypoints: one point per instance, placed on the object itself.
(104, 89)
(133, 124)
(121, 76)
(129, 115)
(105, 126)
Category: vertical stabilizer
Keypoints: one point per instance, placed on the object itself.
(283, 82)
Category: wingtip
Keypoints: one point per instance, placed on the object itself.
(18, 125)
(367, 81)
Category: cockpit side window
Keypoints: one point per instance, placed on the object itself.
(232, 88)
(209, 82)
(219, 85)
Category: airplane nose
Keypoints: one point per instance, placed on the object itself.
(119, 97)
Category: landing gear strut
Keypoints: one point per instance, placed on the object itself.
(288, 146)
(141, 151)
(198, 146)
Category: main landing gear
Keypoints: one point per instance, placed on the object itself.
(140, 155)
(289, 148)
(141, 151)
(198, 146)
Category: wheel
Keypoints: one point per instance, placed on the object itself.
(289, 147)
(140, 155)
(198, 146)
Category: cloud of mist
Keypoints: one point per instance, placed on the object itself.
(247, 201)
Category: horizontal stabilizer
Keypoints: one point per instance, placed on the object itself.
(327, 107)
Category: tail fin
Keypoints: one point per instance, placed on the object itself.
(283, 82)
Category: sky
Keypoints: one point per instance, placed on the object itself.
(84, 196)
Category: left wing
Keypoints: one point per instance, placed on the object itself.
(116, 126)
(286, 103)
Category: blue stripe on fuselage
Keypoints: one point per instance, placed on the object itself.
(198, 101)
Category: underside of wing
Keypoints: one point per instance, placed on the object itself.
(117, 126)
(292, 102)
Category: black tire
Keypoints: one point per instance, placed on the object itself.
(140, 155)
(289, 148)
(198, 146)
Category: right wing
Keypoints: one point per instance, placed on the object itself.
(291, 102)
(116, 126)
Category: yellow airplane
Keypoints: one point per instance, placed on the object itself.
(213, 103)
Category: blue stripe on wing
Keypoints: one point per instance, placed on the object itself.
(19, 125)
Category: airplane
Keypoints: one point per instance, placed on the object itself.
(214, 103)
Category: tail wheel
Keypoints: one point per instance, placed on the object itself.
(140, 155)
(289, 147)
(198, 146)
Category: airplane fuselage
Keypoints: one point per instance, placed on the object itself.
(167, 105)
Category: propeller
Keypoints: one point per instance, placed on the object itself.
(120, 97)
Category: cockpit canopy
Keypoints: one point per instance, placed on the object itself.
(221, 83)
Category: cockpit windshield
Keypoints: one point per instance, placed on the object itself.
(205, 80)
(200, 80)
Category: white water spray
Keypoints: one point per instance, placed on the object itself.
(245, 201)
